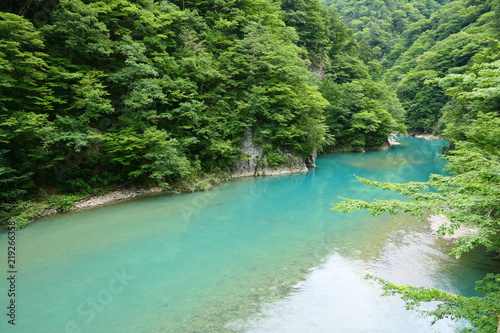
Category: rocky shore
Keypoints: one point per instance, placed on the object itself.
(111, 197)
(428, 136)
(134, 192)
(253, 165)
(117, 195)
(438, 220)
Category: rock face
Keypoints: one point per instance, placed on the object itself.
(311, 160)
(255, 164)
(392, 141)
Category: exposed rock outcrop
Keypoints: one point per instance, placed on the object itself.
(255, 164)
(311, 160)
(392, 141)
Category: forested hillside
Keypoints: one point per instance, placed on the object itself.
(381, 25)
(419, 43)
(96, 95)
(445, 69)
(116, 92)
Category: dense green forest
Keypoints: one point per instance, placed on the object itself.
(95, 95)
(380, 26)
(100, 94)
(445, 69)
(419, 43)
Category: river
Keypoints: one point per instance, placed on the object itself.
(251, 255)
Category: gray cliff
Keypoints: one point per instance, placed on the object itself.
(255, 164)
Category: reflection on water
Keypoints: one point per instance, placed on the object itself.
(252, 254)
(336, 298)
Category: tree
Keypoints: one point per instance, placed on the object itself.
(482, 312)
(310, 20)
(26, 99)
(475, 95)
(469, 196)
(12, 184)
(273, 89)
(422, 102)
(361, 114)
(380, 25)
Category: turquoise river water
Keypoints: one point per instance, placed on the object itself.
(252, 255)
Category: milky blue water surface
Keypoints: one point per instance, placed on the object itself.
(252, 255)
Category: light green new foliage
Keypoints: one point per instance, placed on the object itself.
(482, 312)
(469, 196)
(476, 100)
